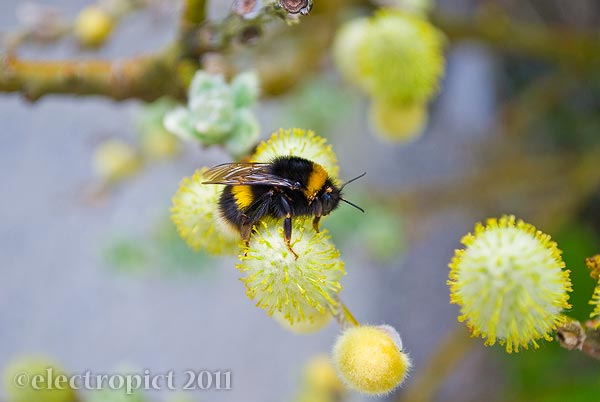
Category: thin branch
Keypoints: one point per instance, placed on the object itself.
(194, 12)
(141, 77)
(574, 336)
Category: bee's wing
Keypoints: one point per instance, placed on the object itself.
(246, 174)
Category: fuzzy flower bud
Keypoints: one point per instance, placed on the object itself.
(115, 160)
(320, 382)
(397, 57)
(218, 113)
(93, 26)
(370, 359)
(300, 289)
(298, 142)
(196, 215)
(398, 123)
(510, 283)
(20, 374)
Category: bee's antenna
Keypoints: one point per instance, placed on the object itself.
(354, 205)
(351, 180)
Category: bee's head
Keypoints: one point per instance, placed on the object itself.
(330, 197)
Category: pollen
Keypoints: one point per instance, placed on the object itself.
(510, 283)
(298, 142)
(299, 290)
(370, 359)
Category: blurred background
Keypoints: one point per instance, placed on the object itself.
(95, 277)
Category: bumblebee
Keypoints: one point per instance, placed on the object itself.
(286, 187)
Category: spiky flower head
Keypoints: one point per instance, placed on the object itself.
(593, 264)
(398, 123)
(301, 289)
(370, 359)
(510, 283)
(397, 57)
(400, 59)
(196, 215)
(218, 112)
(298, 142)
(19, 377)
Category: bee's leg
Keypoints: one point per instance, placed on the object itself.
(287, 225)
(246, 232)
(318, 210)
(253, 214)
(316, 223)
(287, 233)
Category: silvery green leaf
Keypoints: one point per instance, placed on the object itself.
(245, 134)
(178, 122)
(203, 82)
(245, 89)
(214, 120)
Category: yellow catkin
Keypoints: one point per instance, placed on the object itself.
(510, 283)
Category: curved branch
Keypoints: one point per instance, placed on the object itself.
(141, 77)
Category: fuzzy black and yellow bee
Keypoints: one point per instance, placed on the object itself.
(286, 187)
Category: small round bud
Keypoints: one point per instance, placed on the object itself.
(296, 6)
(510, 283)
(398, 123)
(115, 160)
(93, 26)
(320, 374)
(300, 143)
(370, 359)
(19, 377)
(196, 215)
(301, 289)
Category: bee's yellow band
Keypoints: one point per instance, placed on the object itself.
(316, 180)
(243, 196)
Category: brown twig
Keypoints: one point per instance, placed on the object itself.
(141, 77)
(574, 336)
